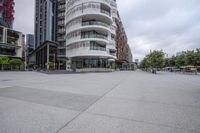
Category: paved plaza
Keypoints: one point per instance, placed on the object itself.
(118, 102)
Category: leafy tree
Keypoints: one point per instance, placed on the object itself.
(190, 58)
(4, 60)
(197, 57)
(166, 62)
(156, 59)
(16, 63)
(180, 61)
(144, 63)
(172, 61)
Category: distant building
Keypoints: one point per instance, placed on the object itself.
(45, 21)
(11, 42)
(30, 42)
(137, 61)
(7, 13)
(130, 56)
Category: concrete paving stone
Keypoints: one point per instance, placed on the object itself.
(182, 131)
(24, 117)
(176, 97)
(3, 86)
(88, 123)
(130, 102)
(89, 84)
(58, 99)
(162, 89)
(162, 114)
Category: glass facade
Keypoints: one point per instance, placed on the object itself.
(7, 51)
(95, 46)
(92, 34)
(90, 63)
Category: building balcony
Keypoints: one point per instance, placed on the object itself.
(61, 30)
(71, 4)
(105, 12)
(61, 55)
(61, 7)
(61, 15)
(61, 23)
(94, 36)
(60, 39)
(87, 23)
(62, 47)
(87, 52)
(61, 1)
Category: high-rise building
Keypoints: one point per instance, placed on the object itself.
(89, 33)
(50, 25)
(30, 42)
(7, 13)
(61, 53)
(45, 21)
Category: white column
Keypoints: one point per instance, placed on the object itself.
(4, 35)
(47, 56)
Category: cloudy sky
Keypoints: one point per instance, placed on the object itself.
(170, 25)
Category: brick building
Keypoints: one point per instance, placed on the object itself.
(121, 44)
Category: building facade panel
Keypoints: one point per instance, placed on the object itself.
(11, 42)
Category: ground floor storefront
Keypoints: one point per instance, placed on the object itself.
(91, 62)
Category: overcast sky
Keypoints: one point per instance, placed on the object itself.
(170, 25)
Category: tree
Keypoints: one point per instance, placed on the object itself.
(172, 61)
(166, 62)
(180, 61)
(144, 63)
(16, 62)
(156, 59)
(189, 57)
(197, 57)
(4, 60)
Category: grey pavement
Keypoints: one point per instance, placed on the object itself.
(118, 102)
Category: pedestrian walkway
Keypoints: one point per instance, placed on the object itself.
(118, 102)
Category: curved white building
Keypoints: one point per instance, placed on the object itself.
(90, 33)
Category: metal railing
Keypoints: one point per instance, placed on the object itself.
(105, 12)
(95, 23)
(94, 36)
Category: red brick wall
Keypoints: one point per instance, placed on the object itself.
(121, 43)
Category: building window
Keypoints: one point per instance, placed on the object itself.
(95, 46)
